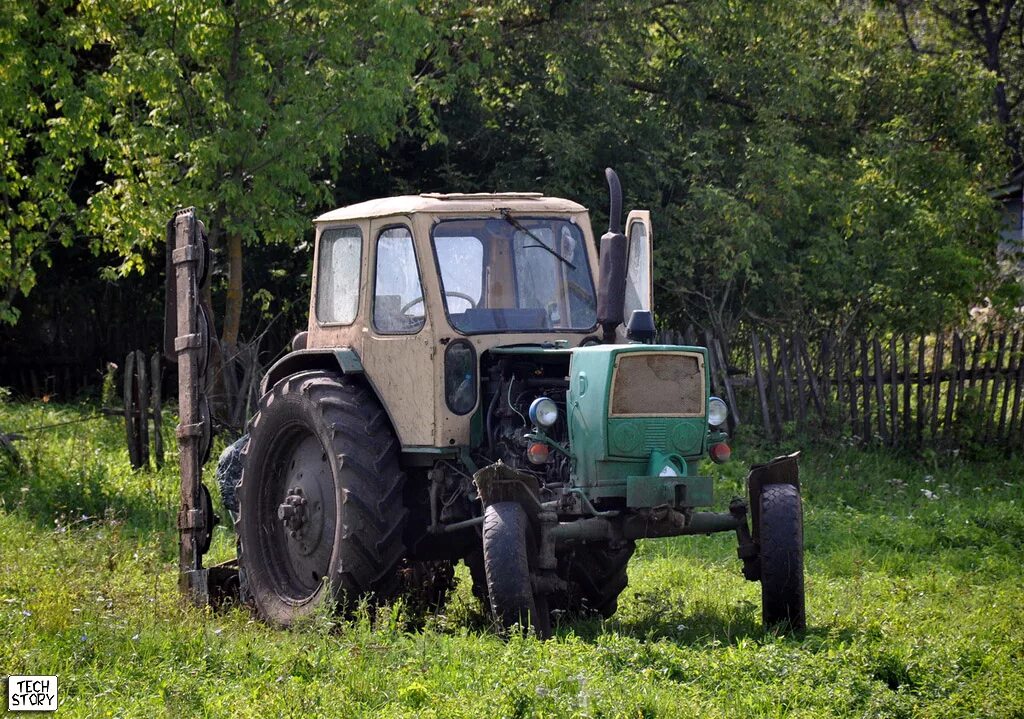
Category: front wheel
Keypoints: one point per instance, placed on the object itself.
(506, 537)
(782, 557)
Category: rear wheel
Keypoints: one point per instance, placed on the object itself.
(506, 554)
(782, 557)
(320, 501)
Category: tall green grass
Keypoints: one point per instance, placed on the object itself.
(914, 586)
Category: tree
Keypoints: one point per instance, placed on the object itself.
(243, 108)
(805, 167)
(47, 123)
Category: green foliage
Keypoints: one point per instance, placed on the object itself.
(805, 167)
(913, 605)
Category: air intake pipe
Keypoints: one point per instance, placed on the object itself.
(611, 292)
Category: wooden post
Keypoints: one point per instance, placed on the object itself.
(184, 235)
(130, 415)
(951, 386)
(906, 390)
(1004, 404)
(880, 391)
(864, 388)
(921, 410)
(1016, 420)
(851, 350)
(787, 383)
(801, 395)
(940, 342)
(992, 406)
(816, 390)
(773, 386)
(893, 394)
(730, 394)
(985, 374)
(762, 395)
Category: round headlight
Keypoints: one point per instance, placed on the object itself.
(543, 412)
(718, 412)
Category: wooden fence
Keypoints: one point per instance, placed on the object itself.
(943, 390)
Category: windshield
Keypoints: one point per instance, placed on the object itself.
(521, 274)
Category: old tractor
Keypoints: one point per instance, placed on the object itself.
(478, 382)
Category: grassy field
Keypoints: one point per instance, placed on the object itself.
(914, 583)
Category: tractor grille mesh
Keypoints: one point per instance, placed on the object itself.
(650, 384)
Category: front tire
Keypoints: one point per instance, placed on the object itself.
(320, 500)
(782, 557)
(506, 533)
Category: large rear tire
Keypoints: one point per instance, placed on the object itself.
(506, 550)
(782, 557)
(320, 513)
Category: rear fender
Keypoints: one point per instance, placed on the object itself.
(343, 360)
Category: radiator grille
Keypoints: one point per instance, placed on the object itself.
(658, 384)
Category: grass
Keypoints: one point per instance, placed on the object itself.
(914, 585)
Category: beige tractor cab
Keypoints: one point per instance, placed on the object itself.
(478, 382)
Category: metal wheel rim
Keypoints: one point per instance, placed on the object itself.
(298, 562)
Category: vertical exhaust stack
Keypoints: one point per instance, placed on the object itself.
(611, 293)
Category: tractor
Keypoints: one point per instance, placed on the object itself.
(478, 381)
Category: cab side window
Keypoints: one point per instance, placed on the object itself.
(398, 306)
(337, 284)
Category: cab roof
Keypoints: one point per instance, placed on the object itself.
(432, 202)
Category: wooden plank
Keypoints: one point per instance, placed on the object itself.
(837, 353)
(1004, 403)
(906, 390)
(801, 393)
(142, 406)
(985, 374)
(865, 389)
(992, 408)
(933, 406)
(921, 409)
(712, 364)
(880, 391)
(851, 356)
(951, 386)
(1016, 420)
(816, 396)
(131, 430)
(961, 388)
(893, 394)
(787, 383)
(762, 392)
(974, 360)
(730, 395)
(773, 386)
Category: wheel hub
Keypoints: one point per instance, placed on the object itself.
(292, 511)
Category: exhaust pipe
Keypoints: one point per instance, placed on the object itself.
(611, 291)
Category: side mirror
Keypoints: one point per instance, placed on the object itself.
(611, 289)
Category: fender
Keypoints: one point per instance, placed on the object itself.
(344, 359)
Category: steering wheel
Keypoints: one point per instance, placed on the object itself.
(460, 295)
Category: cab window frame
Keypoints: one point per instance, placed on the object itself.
(373, 290)
(320, 275)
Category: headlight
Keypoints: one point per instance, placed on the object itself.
(543, 412)
(717, 412)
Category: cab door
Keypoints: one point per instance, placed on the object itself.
(399, 344)
(639, 263)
